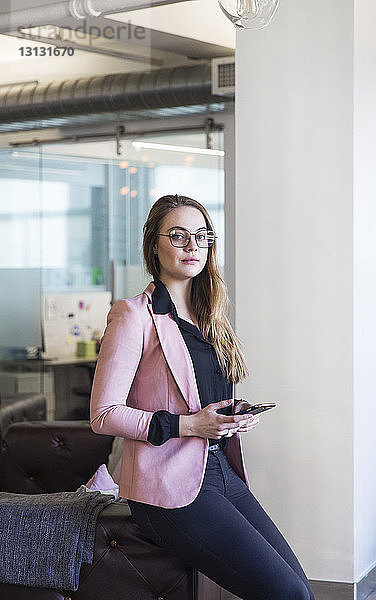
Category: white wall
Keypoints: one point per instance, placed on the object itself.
(365, 286)
(294, 273)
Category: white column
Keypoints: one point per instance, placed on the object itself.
(305, 275)
(364, 286)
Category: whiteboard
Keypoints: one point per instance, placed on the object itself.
(68, 318)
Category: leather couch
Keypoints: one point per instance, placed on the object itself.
(21, 407)
(40, 457)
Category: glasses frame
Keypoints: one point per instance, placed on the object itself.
(190, 235)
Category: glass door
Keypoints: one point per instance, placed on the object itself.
(21, 250)
(71, 219)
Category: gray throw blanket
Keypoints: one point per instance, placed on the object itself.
(44, 538)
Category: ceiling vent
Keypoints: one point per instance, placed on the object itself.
(223, 76)
(145, 90)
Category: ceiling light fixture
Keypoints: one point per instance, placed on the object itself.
(172, 148)
(249, 14)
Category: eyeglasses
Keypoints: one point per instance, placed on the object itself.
(180, 237)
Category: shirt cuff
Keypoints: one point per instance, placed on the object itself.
(163, 426)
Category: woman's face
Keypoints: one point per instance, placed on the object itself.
(174, 262)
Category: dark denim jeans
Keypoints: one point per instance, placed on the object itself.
(227, 535)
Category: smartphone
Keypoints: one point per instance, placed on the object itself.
(243, 407)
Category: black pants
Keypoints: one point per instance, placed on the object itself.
(227, 535)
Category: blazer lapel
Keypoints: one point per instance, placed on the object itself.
(176, 354)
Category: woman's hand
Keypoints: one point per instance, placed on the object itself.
(208, 423)
(249, 424)
(245, 426)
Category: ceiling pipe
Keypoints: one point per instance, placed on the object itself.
(51, 14)
(159, 88)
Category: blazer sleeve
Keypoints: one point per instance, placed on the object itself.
(118, 359)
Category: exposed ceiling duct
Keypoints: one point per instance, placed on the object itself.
(119, 92)
(78, 9)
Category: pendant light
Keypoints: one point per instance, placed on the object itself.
(249, 14)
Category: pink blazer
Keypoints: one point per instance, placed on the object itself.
(144, 366)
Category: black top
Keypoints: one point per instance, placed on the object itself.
(212, 384)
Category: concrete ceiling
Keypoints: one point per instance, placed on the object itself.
(184, 34)
(176, 34)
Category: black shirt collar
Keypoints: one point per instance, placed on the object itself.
(161, 299)
(162, 304)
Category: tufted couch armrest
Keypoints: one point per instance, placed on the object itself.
(50, 456)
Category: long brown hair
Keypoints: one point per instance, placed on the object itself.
(209, 297)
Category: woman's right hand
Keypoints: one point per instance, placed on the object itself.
(208, 423)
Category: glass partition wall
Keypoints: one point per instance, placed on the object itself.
(71, 220)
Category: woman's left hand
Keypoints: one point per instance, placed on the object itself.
(245, 426)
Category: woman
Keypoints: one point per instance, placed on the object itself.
(164, 382)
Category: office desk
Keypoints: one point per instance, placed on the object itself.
(65, 382)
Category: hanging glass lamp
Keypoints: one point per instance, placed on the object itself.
(249, 14)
